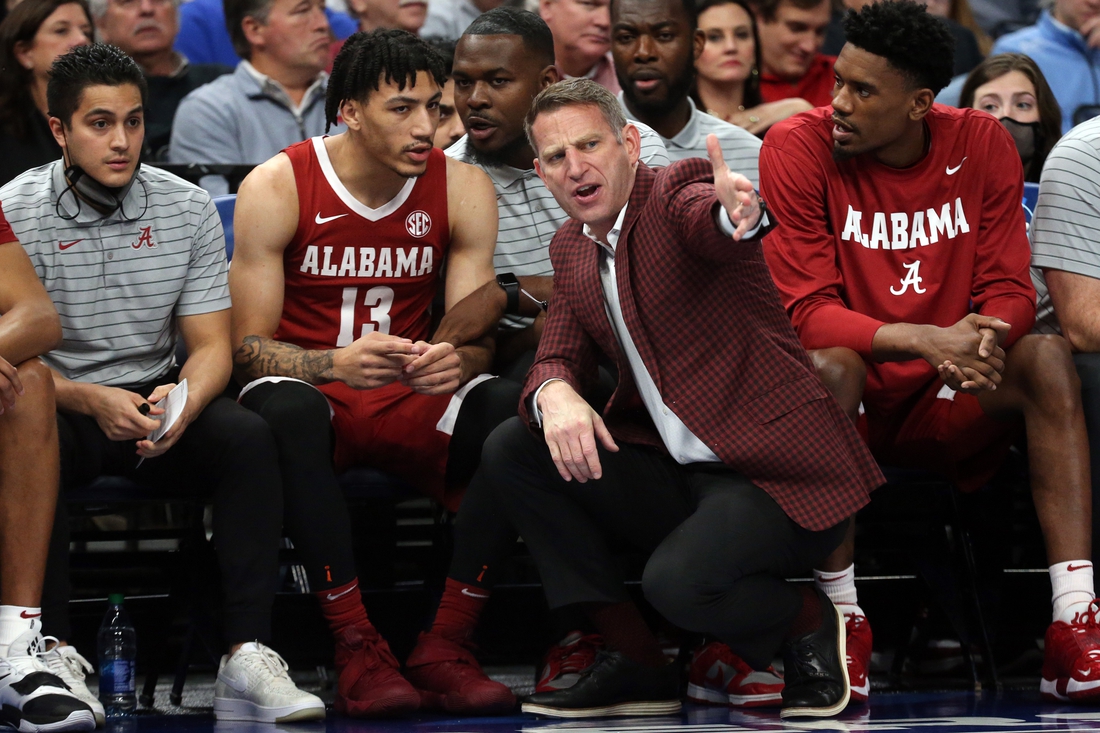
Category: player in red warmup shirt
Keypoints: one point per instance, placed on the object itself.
(902, 258)
(340, 242)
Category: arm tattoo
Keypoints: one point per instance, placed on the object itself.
(263, 357)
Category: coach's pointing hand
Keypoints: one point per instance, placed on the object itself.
(571, 428)
(735, 192)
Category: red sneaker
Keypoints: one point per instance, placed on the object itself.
(566, 660)
(370, 685)
(1071, 659)
(448, 677)
(720, 677)
(859, 654)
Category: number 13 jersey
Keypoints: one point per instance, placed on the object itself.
(351, 269)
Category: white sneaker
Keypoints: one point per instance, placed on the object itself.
(68, 664)
(254, 685)
(32, 699)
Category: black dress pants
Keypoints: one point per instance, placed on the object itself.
(719, 547)
(227, 455)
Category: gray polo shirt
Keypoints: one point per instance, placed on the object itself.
(448, 18)
(120, 285)
(740, 148)
(529, 217)
(244, 118)
(1065, 231)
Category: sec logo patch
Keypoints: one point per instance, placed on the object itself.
(418, 223)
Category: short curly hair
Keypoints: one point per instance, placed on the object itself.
(903, 32)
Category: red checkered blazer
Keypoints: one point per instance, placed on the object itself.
(707, 320)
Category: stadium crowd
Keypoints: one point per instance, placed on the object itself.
(674, 275)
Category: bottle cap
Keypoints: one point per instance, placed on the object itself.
(116, 599)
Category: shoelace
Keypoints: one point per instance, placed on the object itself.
(269, 659)
(581, 654)
(60, 662)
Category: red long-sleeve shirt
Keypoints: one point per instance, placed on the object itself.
(860, 244)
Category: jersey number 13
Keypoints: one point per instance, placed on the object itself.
(378, 299)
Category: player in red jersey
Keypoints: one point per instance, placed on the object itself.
(340, 242)
(902, 258)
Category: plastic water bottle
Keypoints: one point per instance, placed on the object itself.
(117, 657)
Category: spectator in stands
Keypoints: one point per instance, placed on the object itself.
(581, 39)
(513, 45)
(96, 226)
(276, 96)
(998, 17)
(449, 18)
(407, 15)
(517, 46)
(1010, 87)
(969, 48)
(29, 327)
(31, 37)
(727, 72)
(365, 387)
(450, 128)
(145, 29)
(204, 36)
(901, 255)
(1065, 43)
(654, 45)
(704, 488)
(791, 34)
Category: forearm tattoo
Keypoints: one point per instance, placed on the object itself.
(263, 357)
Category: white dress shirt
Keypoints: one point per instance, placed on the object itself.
(682, 444)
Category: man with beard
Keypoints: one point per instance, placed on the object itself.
(655, 44)
(501, 62)
(902, 258)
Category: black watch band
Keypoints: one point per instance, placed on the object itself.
(510, 284)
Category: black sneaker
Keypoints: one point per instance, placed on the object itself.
(613, 685)
(814, 670)
(32, 700)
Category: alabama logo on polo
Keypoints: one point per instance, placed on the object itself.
(418, 223)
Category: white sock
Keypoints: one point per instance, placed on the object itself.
(841, 588)
(16, 621)
(1072, 585)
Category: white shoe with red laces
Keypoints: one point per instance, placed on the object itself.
(858, 654)
(720, 677)
(1071, 659)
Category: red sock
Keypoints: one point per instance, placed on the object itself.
(809, 617)
(343, 606)
(459, 610)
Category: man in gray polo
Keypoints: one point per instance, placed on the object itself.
(131, 256)
(512, 44)
(276, 96)
(1065, 262)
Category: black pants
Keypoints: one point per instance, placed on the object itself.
(719, 547)
(228, 455)
(1088, 369)
(316, 516)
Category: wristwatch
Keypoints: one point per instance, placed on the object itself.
(510, 284)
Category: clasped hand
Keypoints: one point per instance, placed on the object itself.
(967, 355)
(377, 359)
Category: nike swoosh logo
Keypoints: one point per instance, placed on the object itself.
(334, 596)
(467, 592)
(240, 684)
(823, 579)
(24, 614)
(65, 245)
(1071, 568)
(324, 219)
(952, 171)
